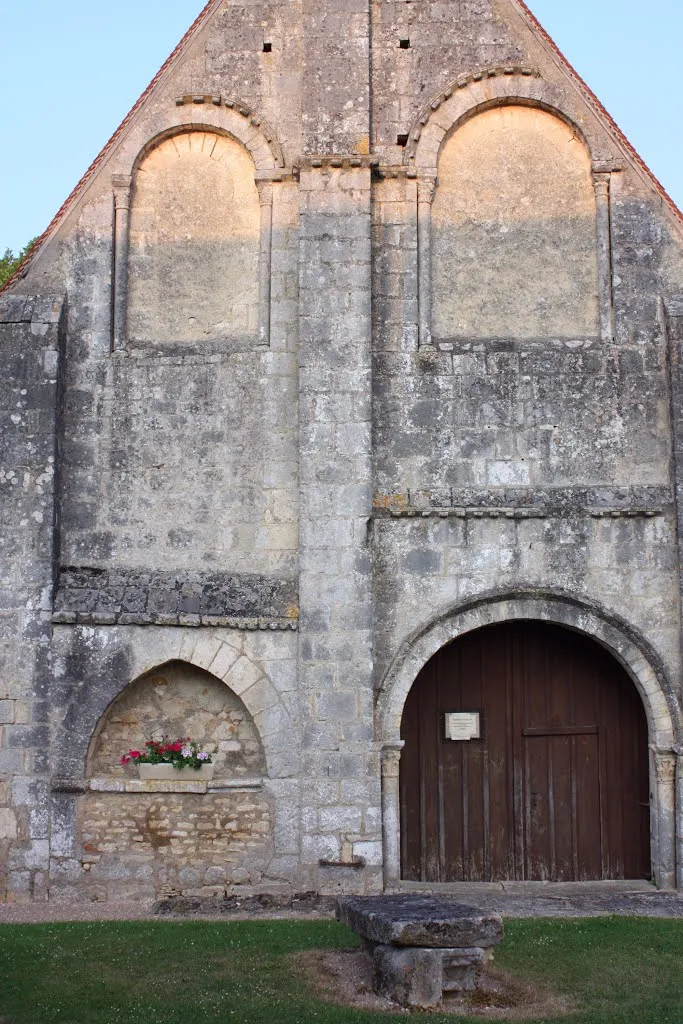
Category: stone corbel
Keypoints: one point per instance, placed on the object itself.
(602, 182)
(121, 185)
(426, 189)
(391, 813)
(265, 191)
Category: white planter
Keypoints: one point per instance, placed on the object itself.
(168, 773)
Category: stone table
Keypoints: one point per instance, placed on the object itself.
(422, 947)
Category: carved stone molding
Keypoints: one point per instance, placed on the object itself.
(201, 99)
(482, 74)
(665, 766)
(328, 161)
(595, 503)
(391, 760)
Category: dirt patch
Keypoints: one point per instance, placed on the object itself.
(341, 976)
(344, 977)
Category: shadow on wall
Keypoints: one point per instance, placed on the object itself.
(142, 841)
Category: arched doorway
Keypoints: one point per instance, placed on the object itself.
(556, 786)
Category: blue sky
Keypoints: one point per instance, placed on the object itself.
(71, 69)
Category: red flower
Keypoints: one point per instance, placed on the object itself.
(125, 760)
(134, 753)
(177, 747)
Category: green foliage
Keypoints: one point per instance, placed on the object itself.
(614, 970)
(9, 262)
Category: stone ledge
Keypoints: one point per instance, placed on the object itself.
(154, 786)
(523, 503)
(326, 161)
(63, 618)
(419, 921)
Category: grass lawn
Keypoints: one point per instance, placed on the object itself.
(616, 970)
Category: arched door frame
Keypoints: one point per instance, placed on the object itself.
(640, 661)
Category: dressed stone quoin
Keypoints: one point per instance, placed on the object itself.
(342, 433)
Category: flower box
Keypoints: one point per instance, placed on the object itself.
(169, 773)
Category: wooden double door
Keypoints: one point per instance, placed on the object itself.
(557, 786)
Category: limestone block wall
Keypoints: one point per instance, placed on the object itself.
(426, 566)
(445, 40)
(31, 342)
(144, 845)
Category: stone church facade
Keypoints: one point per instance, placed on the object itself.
(342, 420)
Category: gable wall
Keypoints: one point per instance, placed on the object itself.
(210, 481)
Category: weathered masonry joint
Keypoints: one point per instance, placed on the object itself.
(341, 431)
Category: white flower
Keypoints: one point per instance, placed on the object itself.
(203, 756)
(186, 752)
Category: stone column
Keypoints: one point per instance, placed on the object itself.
(391, 815)
(265, 191)
(602, 185)
(665, 805)
(122, 188)
(426, 188)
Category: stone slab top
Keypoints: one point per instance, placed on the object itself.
(423, 921)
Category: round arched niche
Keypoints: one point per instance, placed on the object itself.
(514, 216)
(195, 225)
(178, 700)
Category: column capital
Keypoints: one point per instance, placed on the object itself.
(426, 190)
(391, 758)
(665, 765)
(121, 184)
(265, 192)
(601, 183)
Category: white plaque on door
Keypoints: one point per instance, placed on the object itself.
(462, 726)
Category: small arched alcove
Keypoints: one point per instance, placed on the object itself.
(195, 237)
(145, 838)
(526, 758)
(179, 700)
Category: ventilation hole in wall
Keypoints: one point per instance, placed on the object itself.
(401, 140)
(267, 47)
(404, 44)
